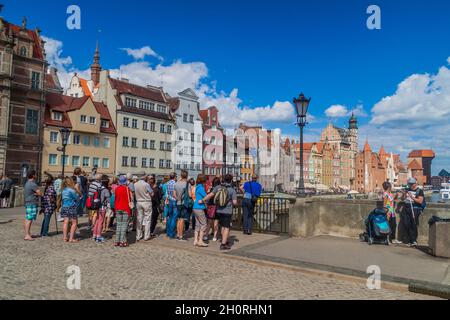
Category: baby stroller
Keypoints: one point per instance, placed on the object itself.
(377, 227)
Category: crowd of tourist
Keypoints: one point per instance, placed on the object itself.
(121, 204)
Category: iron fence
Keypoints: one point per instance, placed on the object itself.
(271, 215)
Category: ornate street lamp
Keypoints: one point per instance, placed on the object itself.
(65, 133)
(301, 107)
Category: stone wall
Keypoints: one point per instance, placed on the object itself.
(345, 218)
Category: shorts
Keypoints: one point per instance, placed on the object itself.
(109, 213)
(182, 213)
(31, 212)
(5, 194)
(225, 220)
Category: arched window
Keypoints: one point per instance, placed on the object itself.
(23, 51)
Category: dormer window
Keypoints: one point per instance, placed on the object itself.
(105, 124)
(23, 51)
(57, 116)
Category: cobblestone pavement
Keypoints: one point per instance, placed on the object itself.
(153, 270)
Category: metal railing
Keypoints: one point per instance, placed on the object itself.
(271, 215)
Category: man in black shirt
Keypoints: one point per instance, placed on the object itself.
(414, 204)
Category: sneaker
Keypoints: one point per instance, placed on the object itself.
(100, 240)
(396, 242)
(214, 239)
(181, 239)
(205, 238)
(94, 238)
(414, 244)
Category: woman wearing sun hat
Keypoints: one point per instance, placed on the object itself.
(122, 200)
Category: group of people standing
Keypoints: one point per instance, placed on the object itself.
(137, 203)
(408, 206)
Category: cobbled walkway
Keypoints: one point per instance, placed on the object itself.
(153, 270)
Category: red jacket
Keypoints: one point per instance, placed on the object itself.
(122, 198)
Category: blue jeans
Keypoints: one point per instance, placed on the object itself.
(248, 210)
(45, 225)
(172, 217)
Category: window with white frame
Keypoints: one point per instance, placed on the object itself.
(106, 143)
(53, 159)
(124, 161)
(75, 161)
(57, 116)
(134, 123)
(83, 118)
(105, 123)
(86, 161)
(96, 162)
(54, 136)
(105, 163)
(151, 163)
(130, 102)
(133, 162)
(152, 144)
(126, 122)
(92, 120)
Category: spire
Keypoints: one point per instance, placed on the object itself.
(367, 147)
(353, 122)
(382, 151)
(96, 68)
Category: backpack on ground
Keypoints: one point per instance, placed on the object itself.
(221, 197)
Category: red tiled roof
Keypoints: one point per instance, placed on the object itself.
(37, 51)
(422, 154)
(65, 104)
(174, 104)
(123, 87)
(204, 114)
(414, 165)
(85, 87)
(320, 146)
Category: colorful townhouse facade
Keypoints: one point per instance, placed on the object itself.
(92, 140)
(213, 141)
(187, 140)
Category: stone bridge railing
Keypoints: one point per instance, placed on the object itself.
(337, 217)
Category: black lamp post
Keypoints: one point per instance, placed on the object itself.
(301, 107)
(65, 133)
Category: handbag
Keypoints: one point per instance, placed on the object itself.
(211, 211)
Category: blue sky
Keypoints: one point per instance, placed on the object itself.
(270, 51)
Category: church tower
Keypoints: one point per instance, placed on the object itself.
(96, 68)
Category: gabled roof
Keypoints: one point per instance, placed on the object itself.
(414, 165)
(85, 87)
(422, 154)
(51, 85)
(150, 93)
(65, 104)
(33, 35)
(367, 147)
(444, 173)
(189, 93)
(382, 151)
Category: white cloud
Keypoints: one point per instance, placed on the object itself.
(336, 111)
(448, 60)
(415, 117)
(176, 77)
(340, 111)
(140, 54)
(54, 51)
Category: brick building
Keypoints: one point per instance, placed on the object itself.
(419, 164)
(213, 141)
(22, 73)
